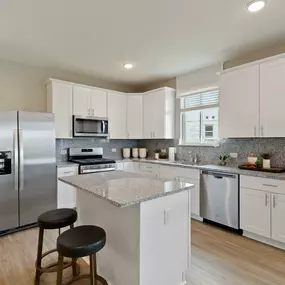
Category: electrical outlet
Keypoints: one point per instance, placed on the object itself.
(233, 154)
(63, 151)
(114, 150)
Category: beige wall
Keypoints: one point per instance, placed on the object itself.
(23, 87)
(255, 55)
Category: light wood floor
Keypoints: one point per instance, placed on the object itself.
(218, 258)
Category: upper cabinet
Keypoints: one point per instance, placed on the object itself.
(59, 102)
(159, 114)
(135, 116)
(239, 103)
(272, 99)
(89, 101)
(117, 114)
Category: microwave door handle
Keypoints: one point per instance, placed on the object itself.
(103, 127)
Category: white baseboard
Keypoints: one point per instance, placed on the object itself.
(265, 240)
(195, 217)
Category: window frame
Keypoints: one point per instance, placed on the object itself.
(182, 141)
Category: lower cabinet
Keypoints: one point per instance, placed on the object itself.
(255, 211)
(262, 207)
(66, 194)
(278, 215)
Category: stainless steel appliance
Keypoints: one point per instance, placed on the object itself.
(90, 126)
(28, 176)
(219, 198)
(90, 160)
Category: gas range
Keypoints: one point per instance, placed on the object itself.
(90, 160)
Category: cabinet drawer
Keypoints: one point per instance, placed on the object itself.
(263, 184)
(67, 171)
(149, 167)
(188, 173)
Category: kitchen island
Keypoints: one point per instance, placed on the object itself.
(147, 222)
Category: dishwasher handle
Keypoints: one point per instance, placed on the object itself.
(219, 175)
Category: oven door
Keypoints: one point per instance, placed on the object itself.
(90, 126)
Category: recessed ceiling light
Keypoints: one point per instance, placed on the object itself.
(128, 65)
(255, 6)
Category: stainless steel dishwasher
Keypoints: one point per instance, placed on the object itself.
(219, 198)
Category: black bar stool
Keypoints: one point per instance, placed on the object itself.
(54, 219)
(79, 242)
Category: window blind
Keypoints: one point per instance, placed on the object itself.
(201, 100)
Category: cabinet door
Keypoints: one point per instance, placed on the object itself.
(60, 103)
(272, 99)
(66, 194)
(98, 103)
(148, 116)
(195, 194)
(81, 101)
(278, 214)
(239, 103)
(119, 166)
(117, 114)
(159, 113)
(134, 116)
(131, 167)
(255, 211)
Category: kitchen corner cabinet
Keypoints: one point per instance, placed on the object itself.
(239, 103)
(135, 116)
(117, 114)
(66, 194)
(159, 114)
(272, 86)
(59, 102)
(89, 101)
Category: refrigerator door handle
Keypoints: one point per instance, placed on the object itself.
(21, 160)
(16, 159)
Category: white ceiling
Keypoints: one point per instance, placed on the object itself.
(163, 38)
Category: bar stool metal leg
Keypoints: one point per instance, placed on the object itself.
(39, 256)
(59, 270)
(93, 269)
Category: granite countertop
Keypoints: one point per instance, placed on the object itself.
(60, 164)
(124, 189)
(211, 167)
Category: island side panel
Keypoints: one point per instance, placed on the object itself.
(118, 261)
(165, 240)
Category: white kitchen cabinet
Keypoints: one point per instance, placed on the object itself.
(195, 194)
(272, 100)
(119, 166)
(98, 102)
(117, 114)
(255, 211)
(131, 167)
(59, 102)
(278, 214)
(135, 116)
(89, 101)
(159, 114)
(81, 101)
(239, 103)
(66, 194)
(149, 169)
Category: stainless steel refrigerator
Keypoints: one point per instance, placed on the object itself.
(28, 180)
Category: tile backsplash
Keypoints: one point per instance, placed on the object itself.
(108, 145)
(274, 146)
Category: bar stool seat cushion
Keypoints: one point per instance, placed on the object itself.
(56, 219)
(81, 241)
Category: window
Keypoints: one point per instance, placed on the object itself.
(200, 117)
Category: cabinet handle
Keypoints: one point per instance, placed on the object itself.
(270, 185)
(255, 131)
(93, 112)
(153, 134)
(274, 201)
(266, 199)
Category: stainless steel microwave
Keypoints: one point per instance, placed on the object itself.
(90, 126)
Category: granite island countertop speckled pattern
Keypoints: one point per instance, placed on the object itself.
(125, 189)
